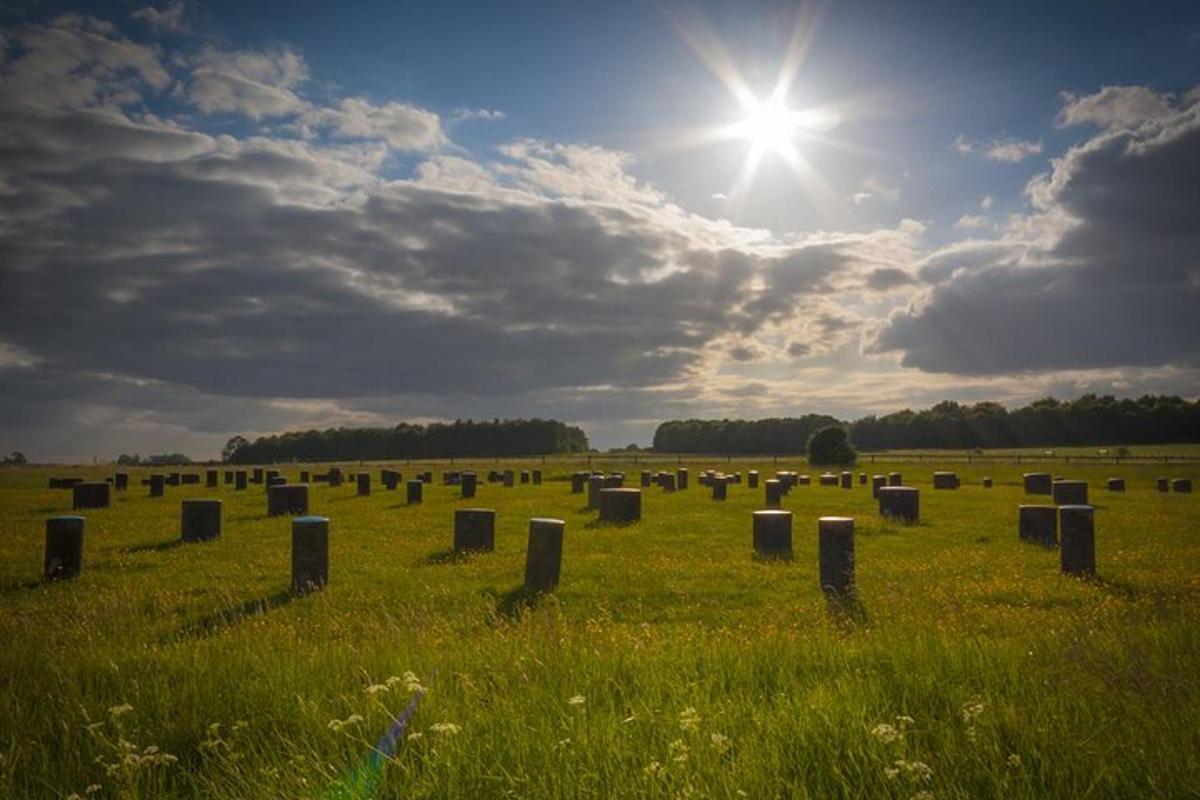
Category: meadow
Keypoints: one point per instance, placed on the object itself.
(669, 662)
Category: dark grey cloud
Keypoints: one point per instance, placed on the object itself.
(1105, 274)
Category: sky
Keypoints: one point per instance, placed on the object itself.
(222, 218)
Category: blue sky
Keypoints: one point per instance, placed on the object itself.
(457, 171)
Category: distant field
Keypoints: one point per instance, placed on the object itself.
(668, 664)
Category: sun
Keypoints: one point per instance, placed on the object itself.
(768, 125)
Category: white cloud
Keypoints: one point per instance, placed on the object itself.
(255, 84)
(1008, 150)
(170, 18)
(1114, 105)
(986, 201)
(972, 221)
(485, 114)
(402, 126)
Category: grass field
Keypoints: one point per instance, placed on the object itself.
(668, 664)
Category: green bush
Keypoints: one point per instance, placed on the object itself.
(831, 445)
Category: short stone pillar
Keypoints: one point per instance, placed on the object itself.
(173, 479)
(156, 485)
(467, 483)
(877, 483)
(862, 479)
(508, 478)
(273, 480)
(414, 488)
(620, 505)
(1162, 484)
(199, 520)
(474, 529)
(773, 534)
(257, 476)
(64, 548)
(578, 481)
(681, 478)
(543, 556)
(1077, 540)
(847, 480)
(228, 475)
(1116, 484)
(752, 479)
(364, 484)
(645, 478)
(1181, 485)
(595, 484)
(614, 481)
(189, 478)
(828, 479)
(1038, 525)
(272, 473)
(91, 494)
(537, 477)
(304, 476)
(287, 499)
(121, 481)
(1070, 493)
(426, 476)
(719, 484)
(774, 492)
(798, 480)
(900, 503)
(1038, 482)
(835, 554)
(525, 476)
(945, 480)
(895, 479)
(210, 478)
(987, 483)
(390, 479)
(668, 482)
(310, 553)
(335, 476)
(239, 479)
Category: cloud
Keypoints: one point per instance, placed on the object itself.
(1103, 274)
(1008, 150)
(78, 62)
(170, 18)
(485, 114)
(402, 126)
(971, 221)
(885, 279)
(255, 84)
(1114, 105)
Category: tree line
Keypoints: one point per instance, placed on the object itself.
(510, 437)
(1089, 420)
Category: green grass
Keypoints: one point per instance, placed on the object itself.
(703, 673)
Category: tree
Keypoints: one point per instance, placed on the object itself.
(831, 445)
(232, 446)
(17, 459)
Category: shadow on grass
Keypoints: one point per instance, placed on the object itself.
(845, 608)
(215, 623)
(604, 523)
(516, 602)
(1117, 588)
(155, 547)
(446, 556)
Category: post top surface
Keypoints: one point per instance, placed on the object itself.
(312, 520)
(547, 520)
(835, 519)
(474, 511)
(1089, 509)
(200, 500)
(68, 516)
(773, 512)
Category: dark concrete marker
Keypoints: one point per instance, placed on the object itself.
(1070, 493)
(835, 554)
(1116, 484)
(210, 478)
(199, 520)
(156, 485)
(474, 529)
(364, 484)
(467, 484)
(1181, 485)
(900, 503)
(774, 492)
(239, 479)
(415, 488)
(1038, 524)
(620, 505)
(1038, 482)
(287, 499)
(773, 534)
(91, 494)
(310, 553)
(1077, 540)
(64, 548)
(895, 479)
(543, 557)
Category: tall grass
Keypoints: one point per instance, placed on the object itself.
(668, 664)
